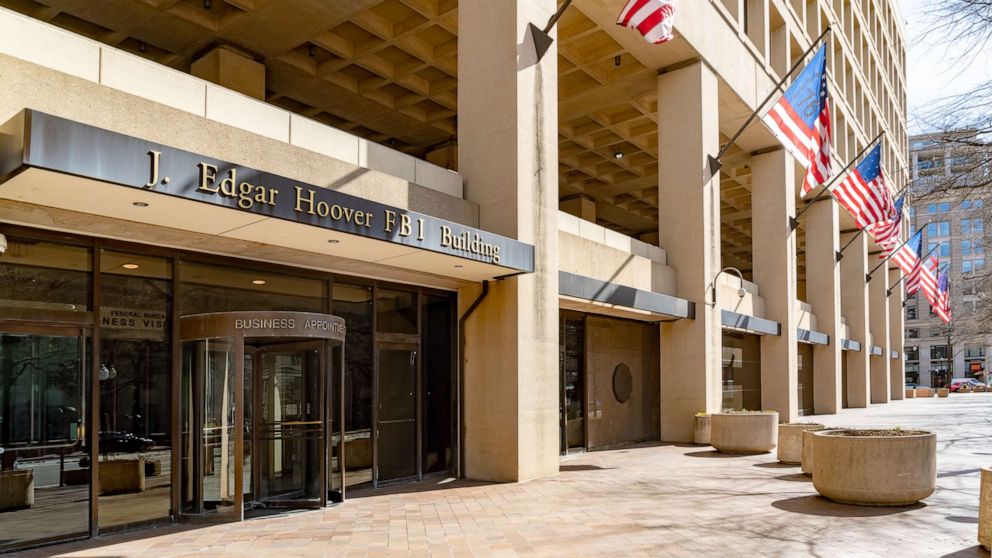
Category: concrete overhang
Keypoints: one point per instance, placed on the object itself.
(749, 324)
(875, 350)
(55, 163)
(593, 295)
(894, 355)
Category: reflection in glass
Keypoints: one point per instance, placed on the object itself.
(135, 395)
(45, 276)
(333, 428)
(44, 477)
(219, 428)
(354, 304)
(438, 370)
(573, 384)
(214, 288)
(395, 311)
(741, 371)
(397, 421)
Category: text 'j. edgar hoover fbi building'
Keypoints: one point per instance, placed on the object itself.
(264, 253)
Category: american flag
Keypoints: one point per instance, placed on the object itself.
(801, 121)
(861, 191)
(924, 276)
(943, 306)
(886, 233)
(908, 256)
(653, 19)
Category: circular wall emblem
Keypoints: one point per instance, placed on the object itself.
(623, 383)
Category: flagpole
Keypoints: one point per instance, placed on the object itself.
(870, 273)
(714, 162)
(541, 39)
(888, 293)
(794, 221)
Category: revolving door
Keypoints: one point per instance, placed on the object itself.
(261, 412)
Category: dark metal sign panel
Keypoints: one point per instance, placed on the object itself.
(587, 288)
(812, 337)
(750, 324)
(39, 140)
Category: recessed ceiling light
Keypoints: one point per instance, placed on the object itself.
(618, 154)
(258, 282)
(139, 204)
(459, 266)
(333, 241)
(130, 266)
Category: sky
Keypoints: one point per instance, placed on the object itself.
(930, 73)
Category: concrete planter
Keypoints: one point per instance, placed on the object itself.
(701, 435)
(943, 392)
(807, 450)
(985, 510)
(924, 392)
(16, 490)
(744, 432)
(910, 394)
(790, 441)
(119, 476)
(875, 467)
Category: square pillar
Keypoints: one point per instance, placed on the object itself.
(897, 337)
(508, 155)
(773, 244)
(823, 294)
(878, 316)
(854, 307)
(689, 231)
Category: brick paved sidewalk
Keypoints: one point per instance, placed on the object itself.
(650, 500)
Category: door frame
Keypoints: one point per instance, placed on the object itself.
(402, 342)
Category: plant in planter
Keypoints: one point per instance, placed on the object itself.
(875, 467)
(701, 435)
(744, 431)
(790, 441)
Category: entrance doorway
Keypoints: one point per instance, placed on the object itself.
(261, 412)
(397, 440)
(44, 453)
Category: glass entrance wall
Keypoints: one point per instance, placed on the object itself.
(741, 371)
(804, 387)
(139, 385)
(572, 336)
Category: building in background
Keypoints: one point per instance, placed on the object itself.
(951, 200)
(530, 255)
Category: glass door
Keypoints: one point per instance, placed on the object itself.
(571, 360)
(44, 455)
(397, 441)
(287, 451)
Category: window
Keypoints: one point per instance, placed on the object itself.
(912, 333)
(978, 246)
(966, 204)
(977, 204)
(943, 248)
(910, 312)
(912, 213)
(968, 306)
(940, 228)
(972, 226)
(938, 352)
(974, 352)
(966, 266)
(912, 353)
(932, 208)
(965, 226)
(965, 247)
(978, 263)
(945, 207)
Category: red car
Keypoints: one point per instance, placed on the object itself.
(958, 382)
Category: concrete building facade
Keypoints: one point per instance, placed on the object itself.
(528, 254)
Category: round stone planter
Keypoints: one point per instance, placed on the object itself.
(16, 489)
(807, 449)
(790, 441)
(985, 510)
(943, 392)
(744, 431)
(701, 434)
(875, 467)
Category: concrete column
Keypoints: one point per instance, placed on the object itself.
(508, 154)
(897, 337)
(823, 294)
(854, 307)
(878, 316)
(689, 231)
(773, 201)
